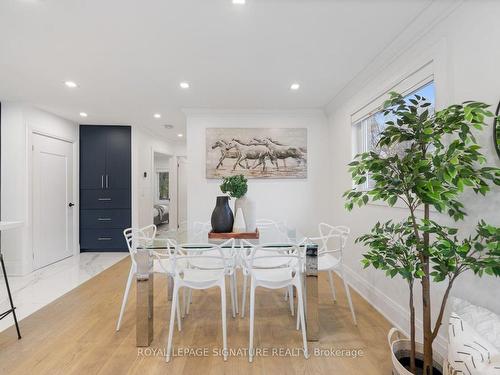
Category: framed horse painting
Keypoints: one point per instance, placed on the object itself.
(256, 152)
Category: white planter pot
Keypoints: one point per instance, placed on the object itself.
(401, 348)
(239, 222)
(249, 212)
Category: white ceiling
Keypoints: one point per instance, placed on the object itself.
(128, 56)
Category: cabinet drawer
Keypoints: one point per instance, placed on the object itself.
(105, 219)
(104, 199)
(102, 239)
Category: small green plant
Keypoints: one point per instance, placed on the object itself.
(235, 186)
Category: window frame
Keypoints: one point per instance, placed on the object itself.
(406, 86)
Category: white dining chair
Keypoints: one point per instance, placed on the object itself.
(200, 230)
(264, 225)
(272, 263)
(286, 272)
(209, 267)
(332, 241)
(204, 264)
(144, 237)
(269, 224)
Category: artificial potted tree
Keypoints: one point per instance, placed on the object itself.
(440, 158)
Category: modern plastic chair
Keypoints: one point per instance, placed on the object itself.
(332, 243)
(216, 266)
(286, 272)
(137, 238)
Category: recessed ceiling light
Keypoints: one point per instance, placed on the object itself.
(180, 135)
(239, 2)
(83, 114)
(71, 84)
(157, 115)
(168, 126)
(294, 86)
(184, 85)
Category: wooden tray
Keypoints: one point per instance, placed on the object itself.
(239, 235)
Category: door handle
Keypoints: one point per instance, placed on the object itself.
(104, 239)
(107, 181)
(104, 219)
(71, 204)
(102, 181)
(104, 199)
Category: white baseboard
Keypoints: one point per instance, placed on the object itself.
(395, 313)
(15, 268)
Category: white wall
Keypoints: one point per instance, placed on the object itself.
(466, 68)
(144, 144)
(301, 202)
(18, 123)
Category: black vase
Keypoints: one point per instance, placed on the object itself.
(222, 217)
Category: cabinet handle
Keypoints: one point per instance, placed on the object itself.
(104, 219)
(102, 181)
(104, 238)
(107, 182)
(104, 199)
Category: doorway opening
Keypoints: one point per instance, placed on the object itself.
(162, 192)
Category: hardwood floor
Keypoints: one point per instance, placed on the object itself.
(76, 335)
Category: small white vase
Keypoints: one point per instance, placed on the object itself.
(249, 212)
(239, 222)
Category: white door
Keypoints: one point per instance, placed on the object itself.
(52, 199)
(181, 193)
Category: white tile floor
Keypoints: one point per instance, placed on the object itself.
(33, 291)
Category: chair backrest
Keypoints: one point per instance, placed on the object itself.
(202, 226)
(199, 231)
(205, 256)
(332, 239)
(271, 256)
(268, 224)
(137, 237)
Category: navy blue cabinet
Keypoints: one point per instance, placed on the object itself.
(92, 157)
(105, 187)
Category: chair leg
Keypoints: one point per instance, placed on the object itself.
(224, 326)
(189, 298)
(290, 294)
(286, 295)
(252, 315)
(178, 307)
(231, 290)
(300, 303)
(125, 296)
(184, 303)
(298, 319)
(235, 287)
(244, 296)
(173, 309)
(332, 286)
(348, 294)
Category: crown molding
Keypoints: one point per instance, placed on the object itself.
(423, 23)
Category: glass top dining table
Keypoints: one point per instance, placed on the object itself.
(272, 235)
(268, 235)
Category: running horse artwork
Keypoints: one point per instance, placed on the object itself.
(256, 152)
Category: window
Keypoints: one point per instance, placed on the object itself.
(163, 193)
(367, 130)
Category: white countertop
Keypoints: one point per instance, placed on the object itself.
(4, 225)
